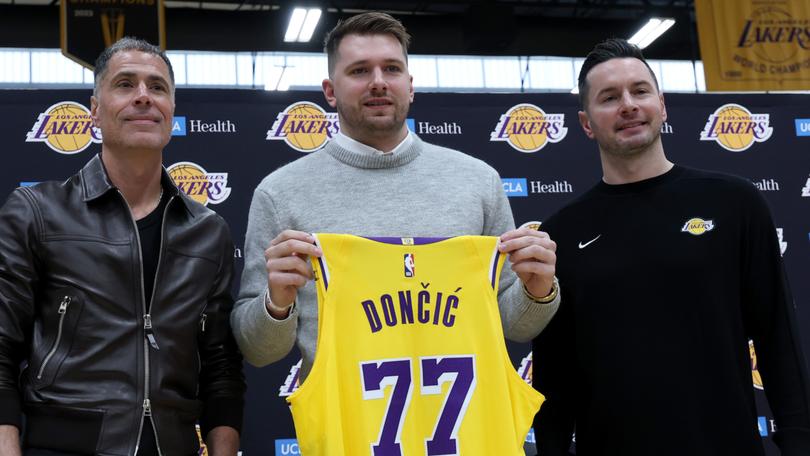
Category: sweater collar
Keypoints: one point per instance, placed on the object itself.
(354, 145)
(403, 156)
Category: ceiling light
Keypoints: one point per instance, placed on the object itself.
(302, 24)
(651, 31)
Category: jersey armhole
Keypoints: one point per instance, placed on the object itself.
(320, 268)
(496, 262)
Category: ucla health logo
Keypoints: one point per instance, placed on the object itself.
(287, 447)
(202, 186)
(66, 127)
(304, 126)
(179, 126)
(515, 186)
(528, 128)
(428, 128)
(802, 127)
(735, 128)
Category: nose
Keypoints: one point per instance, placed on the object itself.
(628, 103)
(142, 95)
(378, 82)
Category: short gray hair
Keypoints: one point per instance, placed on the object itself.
(127, 43)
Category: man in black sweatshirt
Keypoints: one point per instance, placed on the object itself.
(666, 274)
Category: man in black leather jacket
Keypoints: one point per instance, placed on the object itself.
(115, 292)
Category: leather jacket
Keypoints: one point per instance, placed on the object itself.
(72, 307)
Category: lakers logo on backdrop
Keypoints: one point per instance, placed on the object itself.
(528, 128)
(292, 382)
(697, 226)
(735, 128)
(65, 127)
(304, 126)
(202, 186)
(526, 370)
(754, 368)
(532, 225)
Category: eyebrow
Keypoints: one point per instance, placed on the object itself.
(613, 88)
(130, 74)
(365, 61)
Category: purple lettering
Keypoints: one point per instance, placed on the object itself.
(372, 316)
(437, 310)
(405, 307)
(280, 130)
(423, 315)
(388, 310)
(452, 303)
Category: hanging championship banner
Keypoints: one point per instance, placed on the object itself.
(755, 44)
(87, 27)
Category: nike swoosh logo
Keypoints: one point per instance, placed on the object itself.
(582, 246)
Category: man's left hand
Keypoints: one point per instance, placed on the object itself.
(533, 258)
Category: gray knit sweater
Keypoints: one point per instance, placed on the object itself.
(424, 190)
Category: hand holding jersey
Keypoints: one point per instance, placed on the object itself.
(531, 254)
(288, 269)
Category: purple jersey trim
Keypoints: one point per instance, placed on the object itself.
(323, 273)
(398, 240)
(494, 268)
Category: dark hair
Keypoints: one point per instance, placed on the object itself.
(613, 48)
(127, 43)
(371, 23)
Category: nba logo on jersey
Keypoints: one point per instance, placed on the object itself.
(409, 266)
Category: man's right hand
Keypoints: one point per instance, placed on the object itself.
(288, 268)
(9, 440)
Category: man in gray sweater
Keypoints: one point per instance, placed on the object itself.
(375, 178)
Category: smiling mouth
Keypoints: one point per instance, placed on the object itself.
(631, 125)
(142, 120)
(377, 103)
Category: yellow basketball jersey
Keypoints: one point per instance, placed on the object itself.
(411, 358)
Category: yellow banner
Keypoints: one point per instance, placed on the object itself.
(749, 45)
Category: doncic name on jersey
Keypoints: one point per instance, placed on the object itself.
(735, 128)
(304, 126)
(66, 127)
(527, 128)
(202, 186)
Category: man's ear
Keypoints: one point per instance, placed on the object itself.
(329, 92)
(586, 123)
(94, 110)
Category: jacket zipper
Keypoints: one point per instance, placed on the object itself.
(149, 336)
(62, 312)
(203, 318)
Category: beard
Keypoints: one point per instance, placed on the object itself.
(354, 120)
(632, 146)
